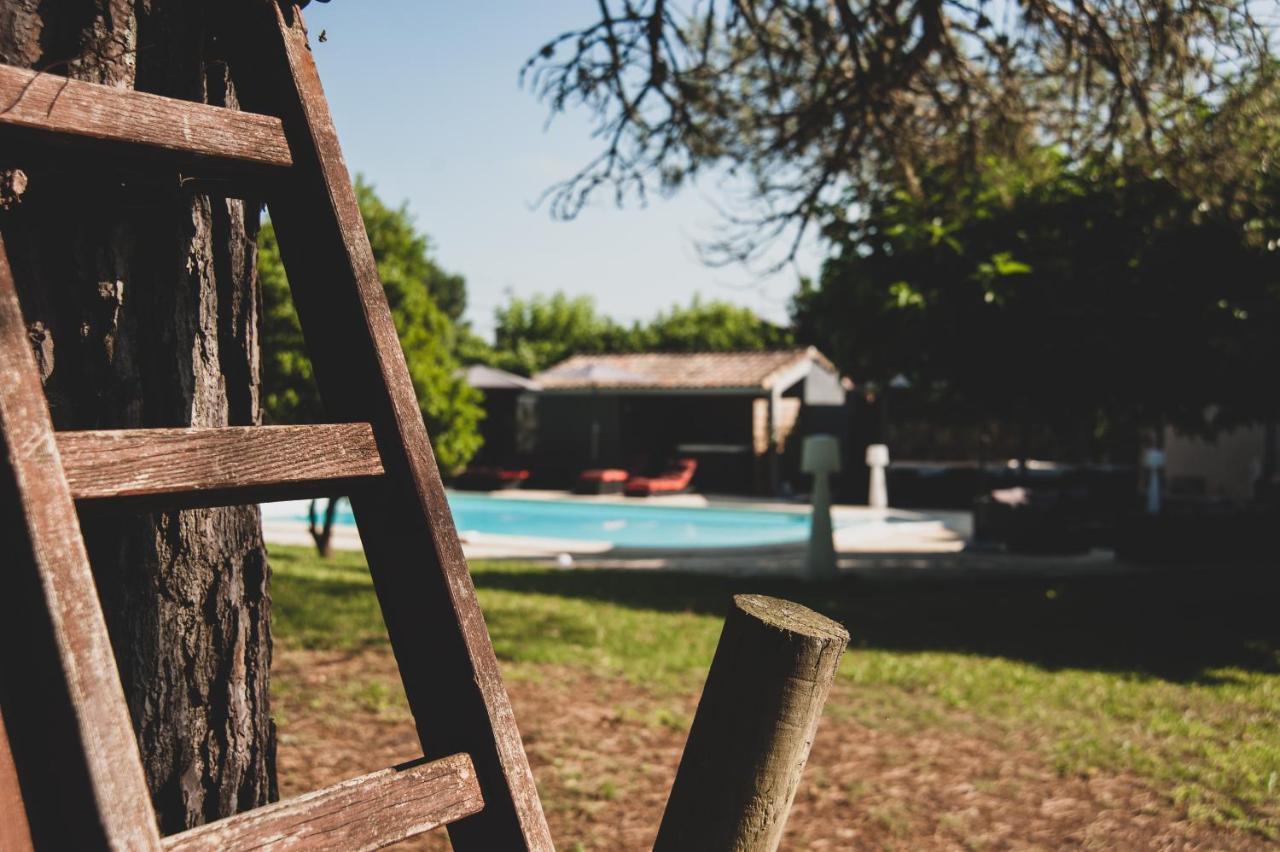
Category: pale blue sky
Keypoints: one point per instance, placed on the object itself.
(428, 106)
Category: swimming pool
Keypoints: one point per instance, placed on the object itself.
(630, 525)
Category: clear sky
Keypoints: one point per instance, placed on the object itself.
(426, 98)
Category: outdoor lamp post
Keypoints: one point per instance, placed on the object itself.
(878, 460)
(1153, 461)
(821, 458)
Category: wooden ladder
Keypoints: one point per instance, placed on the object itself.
(70, 772)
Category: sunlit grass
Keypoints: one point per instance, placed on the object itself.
(1080, 674)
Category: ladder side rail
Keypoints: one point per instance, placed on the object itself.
(64, 708)
(15, 832)
(437, 631)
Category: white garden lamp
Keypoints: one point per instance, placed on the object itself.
(878, 491)
(821, 458)
(1153, 461)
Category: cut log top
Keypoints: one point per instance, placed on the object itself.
(791, 617)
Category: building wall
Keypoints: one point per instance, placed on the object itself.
(575, 433)
(1226, 467)
(760, 426)
(788, 415)
(714, 430)
(739, 445)
(498, 428)
(644, 432)
(658, 424)
(823, 387)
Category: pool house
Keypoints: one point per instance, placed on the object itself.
(737, 414)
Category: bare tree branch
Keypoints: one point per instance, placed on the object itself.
(811, 102)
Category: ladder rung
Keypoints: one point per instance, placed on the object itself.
(38, 106)
(364, 813)
(213, 466)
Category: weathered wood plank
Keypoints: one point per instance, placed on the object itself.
(40, 108)
(232, 464)
(428, 600)
(64, 709)
(753, 728)
(368, 812)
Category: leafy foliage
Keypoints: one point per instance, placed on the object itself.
(1075, 298)
(709, 327)
(532, 334)
(289, 392)
(404, 256)
(425, 304)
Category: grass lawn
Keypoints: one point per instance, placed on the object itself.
(1169, 681)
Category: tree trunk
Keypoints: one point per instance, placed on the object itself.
(142, 305)
(322, 532)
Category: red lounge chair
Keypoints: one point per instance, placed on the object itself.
(673, 481)
(603, 480)
(492, 478)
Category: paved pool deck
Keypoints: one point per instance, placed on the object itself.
(881, 544)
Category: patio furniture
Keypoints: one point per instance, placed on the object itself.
(492, 478)
(603, 480)
(673, 481)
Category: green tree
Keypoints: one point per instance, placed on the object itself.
(428, 332)
(404, 255)
(1029, 291)
(533, 334)
(714, 326)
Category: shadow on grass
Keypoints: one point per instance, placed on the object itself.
(1179, 625)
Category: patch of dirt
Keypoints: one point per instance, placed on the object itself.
(605, 752)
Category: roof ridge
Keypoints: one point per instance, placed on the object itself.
(707, 368)
(787, 350)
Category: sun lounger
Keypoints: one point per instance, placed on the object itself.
(673, 481)
(492, 478)
(603, 480)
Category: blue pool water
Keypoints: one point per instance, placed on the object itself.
(621, 524)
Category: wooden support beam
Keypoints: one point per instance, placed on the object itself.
(753, 728)
(217, 466)
(38, 109)
(368, 812)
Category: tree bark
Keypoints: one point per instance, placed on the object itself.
(142, 305)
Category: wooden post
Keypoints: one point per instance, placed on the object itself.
(753, 728)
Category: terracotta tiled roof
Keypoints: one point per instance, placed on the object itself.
(488, 378)
(693, 370)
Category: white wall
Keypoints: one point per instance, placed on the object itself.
(1228, 466)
